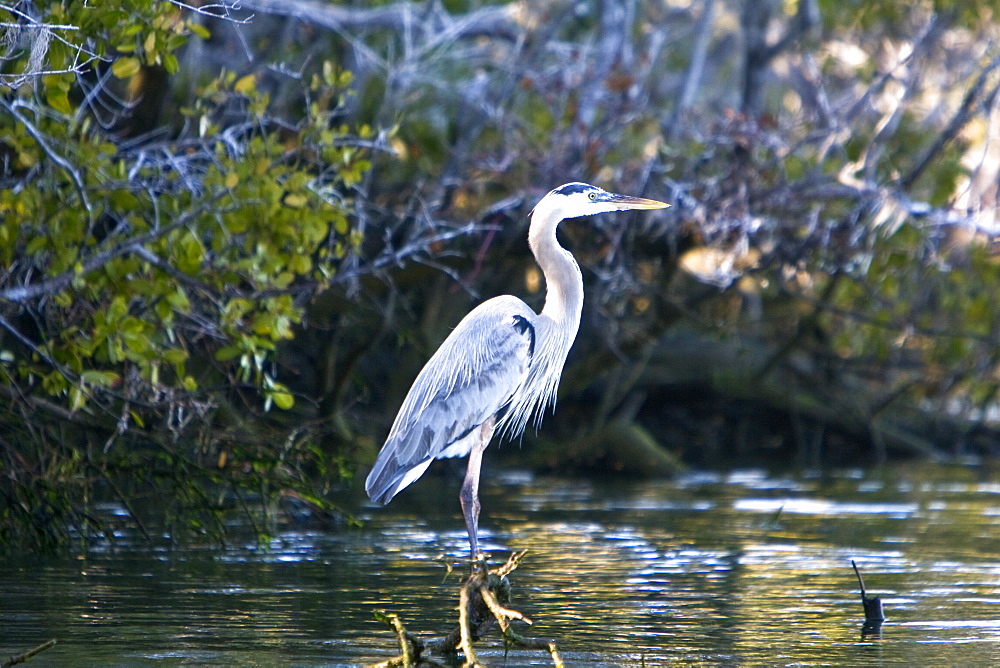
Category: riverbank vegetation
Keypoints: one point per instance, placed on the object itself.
(231, 233)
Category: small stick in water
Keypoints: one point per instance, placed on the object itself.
(21, 658)
(872, 604)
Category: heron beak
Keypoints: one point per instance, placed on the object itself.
(628, 202)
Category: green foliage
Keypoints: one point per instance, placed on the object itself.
(264, 220)
(896, 16)
(126, 33)
(152, 286)
(922, 323)
(147, 289)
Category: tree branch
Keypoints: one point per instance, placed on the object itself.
(973, 98)
(758, 56)
(21, 658)
(37, 135)
(486, 22)
(220, 10)
(55, 284)
(692, 77)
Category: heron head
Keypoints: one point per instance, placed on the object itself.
(573, 200)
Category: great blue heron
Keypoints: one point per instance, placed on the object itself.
(499, 367)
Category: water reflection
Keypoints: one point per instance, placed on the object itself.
(718, 568)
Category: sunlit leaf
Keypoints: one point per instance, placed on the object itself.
(199, 30)
(77, 398)
(246, 85)
(100, 378)
(295, 201)
(126, 67)
(283, 400)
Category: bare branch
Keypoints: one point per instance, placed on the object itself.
(692, 78)
(921, 44)
(28, 343)
(37, 35)
(37, 135)
(974, 98)
(484, 22)
(221, 10)
(758, 55)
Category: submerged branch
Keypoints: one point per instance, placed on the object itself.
(410, 647)
(872, 604)
(21, 658)
(483, 601)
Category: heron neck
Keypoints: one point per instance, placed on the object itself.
(563, 280)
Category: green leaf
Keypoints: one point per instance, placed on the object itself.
(246, 85)
(228, 353)
(77, 398)
(301, 264)
(59, 100)
(179, 301)
(340, 225)
(283, 399)
(175, 355)
(170, 63)
(199, 30)
(189, 254)
(126, 67)
(137, 419)
(176, 41)
(132, 328)
(164, 312)
(100, 378)
(36, 244)
(117, 309)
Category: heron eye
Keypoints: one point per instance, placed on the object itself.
(592, 196)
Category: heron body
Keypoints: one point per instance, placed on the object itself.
(500, 367)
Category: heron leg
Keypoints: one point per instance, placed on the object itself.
(469, 495)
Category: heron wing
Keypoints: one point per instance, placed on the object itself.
(470, 378)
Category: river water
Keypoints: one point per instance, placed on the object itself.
(736, 568)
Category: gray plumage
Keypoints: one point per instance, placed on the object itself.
(472, 376)
(499, 368)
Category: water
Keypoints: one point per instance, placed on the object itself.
(740, 568)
